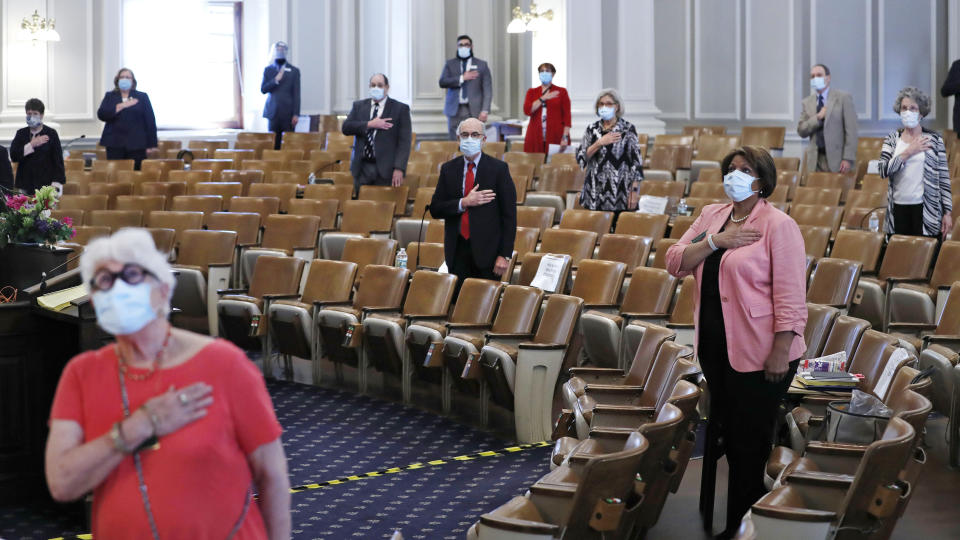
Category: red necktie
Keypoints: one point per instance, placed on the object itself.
(467, 188)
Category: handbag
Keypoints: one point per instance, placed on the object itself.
(845, 426)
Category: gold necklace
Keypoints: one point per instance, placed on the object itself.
(153, 367)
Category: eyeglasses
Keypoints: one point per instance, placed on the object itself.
(474, 135)
(131, 273)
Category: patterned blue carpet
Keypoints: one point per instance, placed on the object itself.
(330, 435)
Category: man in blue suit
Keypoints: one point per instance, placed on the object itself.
(281, 83)
(469, 87)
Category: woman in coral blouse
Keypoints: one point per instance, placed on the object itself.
(173, 432)
(748, 259)
(554, 127)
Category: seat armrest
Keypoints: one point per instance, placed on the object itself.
(893, 280)
(491, 336)
(623, 409)
(380, 309)
(553, 490)
(320, 304)
(936, 338)
(907, 326)
(614, 389)
(322, 230)
(220, 265)
(223, 292)
(542, 346)
(820, 479)
(418, 317)
(272, 297)
(595, 372)
(380, 232)
(452, 326)
(633, 315)
(519, 525)
(249, 245)
(835, 449)
(601, 306)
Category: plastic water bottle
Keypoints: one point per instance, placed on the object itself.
(682, 207)
(874, 223)
(401, 258)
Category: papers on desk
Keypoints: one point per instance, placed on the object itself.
(649, 204)
(60, 300)
(830, 380)
(889, 370)
(548, 273)
(561, 149)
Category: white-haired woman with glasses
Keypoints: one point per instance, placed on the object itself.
(173, 432)
(610, 155)
(914, 159)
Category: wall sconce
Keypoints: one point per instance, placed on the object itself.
(36, 28)
(530, 21)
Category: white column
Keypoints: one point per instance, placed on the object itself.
(345, 61)
(635, 64)
(478, 19)
(584, 44)
(399, 49)
(953, 50)
(429, 51)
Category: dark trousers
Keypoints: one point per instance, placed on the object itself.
(465, 267)
(137, 156)
(743, 411)
(278, 127)
(908, 219)
(369, 176)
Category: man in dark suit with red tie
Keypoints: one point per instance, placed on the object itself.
(476, 197)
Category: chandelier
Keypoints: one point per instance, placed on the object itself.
(37, 28)
(530, 21)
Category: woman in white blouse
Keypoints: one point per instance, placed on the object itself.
(914, 159)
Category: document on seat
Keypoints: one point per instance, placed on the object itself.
(650, 204)
(548, 273)
(889, 370)
(60, 300)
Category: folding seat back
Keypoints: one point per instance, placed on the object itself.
(115, 219)
(112, 191)
(161, 167)
(652, 337)
(279, 276)
(367, 217)
(525, 241)
(207, 204)
(518, 310)
(143, 203)
(699, 131)
(907, 257)
(540, 217)
(435, 231)
(531, 263)
(663, 158)
(225, 190)
(559, 319)
(290, 233)
(650, 292)
(425, 255)
(817, 195)
(328, 191)
(86, 233)
(76, 216)
(178, 221)
(556, 178)
(860, 246)
(190, 177)
(834, 283)
(682, 313)
(874, 182)
(680, 226)
(866, 199)
(395, 195)
(204, 264)
(662, 188)
(709, 190)
(164, 239)
(264, 166)
(215, 166)
(109, 167)
(283, 156)
(204, 248)
(946, 271)
(845, 336)
(577, 244)
(660, 255)
(598, 283)
(235, 155)
(246, 178)
(283, 192)
(263, 206)
(527, 170)
(447, 147)
(208, 145)
(245, 224)
(136, 179)
(650, 225)
(77, 182)
(711, 174)
(587, 220)
(820, 320)
(82, 202)
(858, 217)
(714, 147)
(786, 163)
(770, 137)
(283, 177)
(811, 214)
(364, 251)
(495, 149)
(325, 209)
(871, 356)
(168, 190)
(421, 201)
(631, 250)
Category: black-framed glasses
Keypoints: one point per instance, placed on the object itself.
(470, 135)
(132, 273)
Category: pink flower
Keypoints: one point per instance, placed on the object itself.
(67, 220)
(17, 201)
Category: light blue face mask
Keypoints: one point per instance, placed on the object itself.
(34, 120)
(546, 77)
(124, 84)
(124, 308)
(470, 146)
(463, 52)
(738, 185)
(376, 93)
(607, 113)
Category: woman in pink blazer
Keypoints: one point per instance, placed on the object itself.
(749, 259)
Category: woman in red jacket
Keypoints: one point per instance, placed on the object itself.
(554, 128)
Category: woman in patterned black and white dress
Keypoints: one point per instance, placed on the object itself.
(610, 155)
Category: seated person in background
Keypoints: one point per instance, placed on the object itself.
(36, 148)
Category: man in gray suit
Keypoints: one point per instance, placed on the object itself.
(281, 83)
(829, 119)
(381, 129)
(469, 87)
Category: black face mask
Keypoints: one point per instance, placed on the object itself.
(281, 61)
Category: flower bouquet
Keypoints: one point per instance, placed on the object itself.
(25, 219)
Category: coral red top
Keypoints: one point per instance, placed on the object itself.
(558, 117)
(199, 478)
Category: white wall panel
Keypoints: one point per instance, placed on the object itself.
(841, 36)
(672, 58)
(907, 52)
(716, 59)
(769, 71)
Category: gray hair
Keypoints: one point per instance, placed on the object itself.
(128, 245)
(614, 95)
(917, 95)
(483, 128)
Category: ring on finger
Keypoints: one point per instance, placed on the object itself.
(183, 398)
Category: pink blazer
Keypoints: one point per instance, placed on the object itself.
(762, 286)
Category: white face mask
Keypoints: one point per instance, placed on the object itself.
(463, 52)
(910, 119)
(738, 185)
(124, 309)
(818, 83)
(607, 113)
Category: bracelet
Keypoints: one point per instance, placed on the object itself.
(154, 421)
(713, 246)
(116, 435)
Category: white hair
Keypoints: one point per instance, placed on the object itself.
(614, 95)
(128, 245)
(483, 127)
